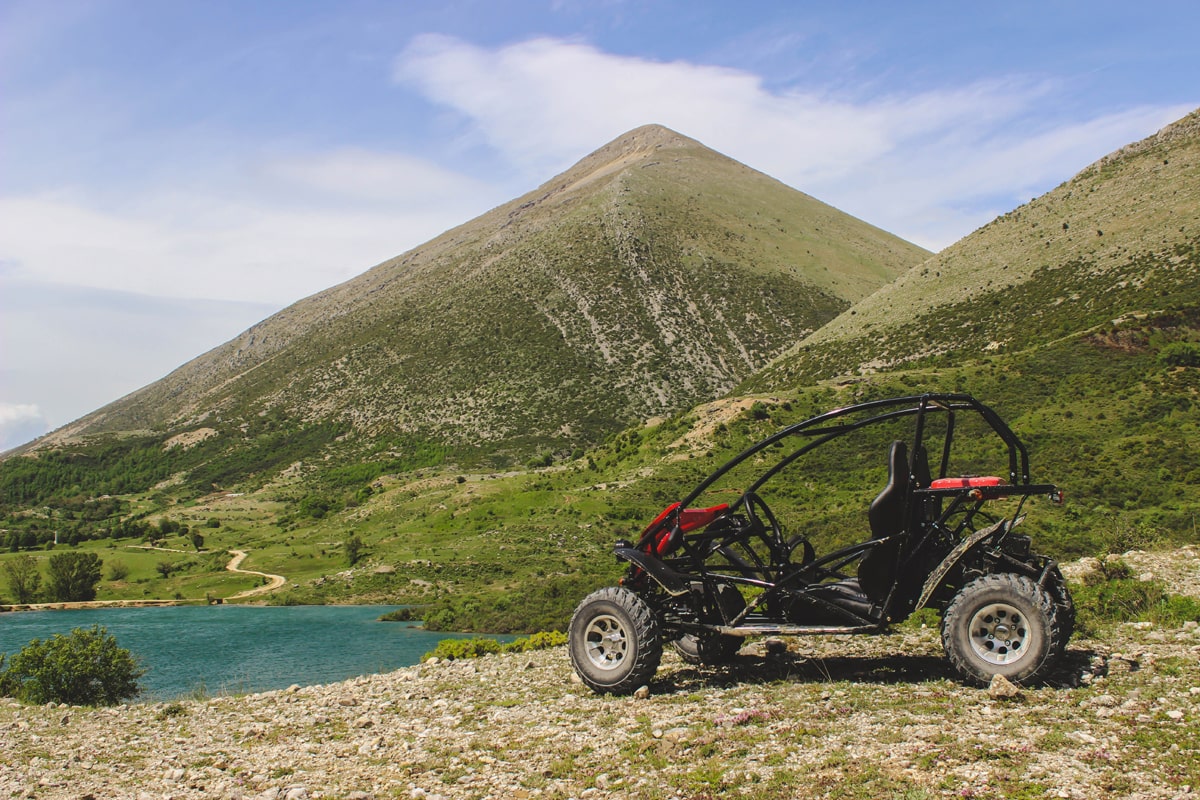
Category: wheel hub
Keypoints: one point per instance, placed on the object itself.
(1000, 634)
(607, 642)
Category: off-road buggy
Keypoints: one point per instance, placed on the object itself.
(703, 576)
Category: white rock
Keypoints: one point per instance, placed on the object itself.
(1001, 688)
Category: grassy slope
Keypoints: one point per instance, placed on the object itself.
(1120, 238)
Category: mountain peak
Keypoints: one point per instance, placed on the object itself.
(644, 144)
(647, 138)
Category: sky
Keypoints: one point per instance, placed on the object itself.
(173, 172)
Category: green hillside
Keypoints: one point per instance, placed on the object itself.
(1117, 240)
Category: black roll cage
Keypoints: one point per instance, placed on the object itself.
(891, 408)
(818, 430)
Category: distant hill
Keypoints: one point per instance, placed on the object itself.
(652, 275)
(1119, 238)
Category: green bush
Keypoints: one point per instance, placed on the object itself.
(1180, 354)
(536, 641)
(1109, 570)
(84, 668)
(73, 576)
(406, 614)
(451, 649)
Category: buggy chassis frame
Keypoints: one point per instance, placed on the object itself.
(940, 541)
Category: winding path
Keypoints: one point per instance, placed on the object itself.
(274, 581)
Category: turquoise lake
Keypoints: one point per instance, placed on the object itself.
(230, 649)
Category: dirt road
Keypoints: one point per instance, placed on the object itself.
(273, 581)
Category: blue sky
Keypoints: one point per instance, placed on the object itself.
(173, 172)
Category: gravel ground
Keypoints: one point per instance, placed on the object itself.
(857, 717)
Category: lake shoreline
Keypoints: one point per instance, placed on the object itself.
(85, 605)
(244, 646)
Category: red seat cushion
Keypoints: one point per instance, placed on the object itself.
(965, 483)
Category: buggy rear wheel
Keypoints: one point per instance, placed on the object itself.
(714, 648)
(1002, 624)
(614, 641)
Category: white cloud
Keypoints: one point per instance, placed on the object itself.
(928, 165)
(72, 350)
(20, 423)
(291, 227)
(395, 180)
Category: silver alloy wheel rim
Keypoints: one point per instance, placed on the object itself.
(1000, 634)
(606, 642)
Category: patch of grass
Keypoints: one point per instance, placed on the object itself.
(1111, 595)
(171, 710)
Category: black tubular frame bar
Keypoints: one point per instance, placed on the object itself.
(840, 421)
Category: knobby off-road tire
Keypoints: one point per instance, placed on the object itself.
(1066, 608)
(1003, 624)
(714, 648)
(614, 641)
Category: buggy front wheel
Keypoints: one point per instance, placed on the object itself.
(1002, 624)
(614, 641)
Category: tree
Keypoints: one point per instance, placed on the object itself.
(73, 576)
(197, 540)
(354, 549)
(24, 577)
(85, 668)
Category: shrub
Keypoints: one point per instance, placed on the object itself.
(536, 641)
(84, 668)
(451, 649)
(1110, 569)
(1180, 354)
(405, 614)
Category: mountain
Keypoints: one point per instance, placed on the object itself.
(1120, 238)
(652, 275)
